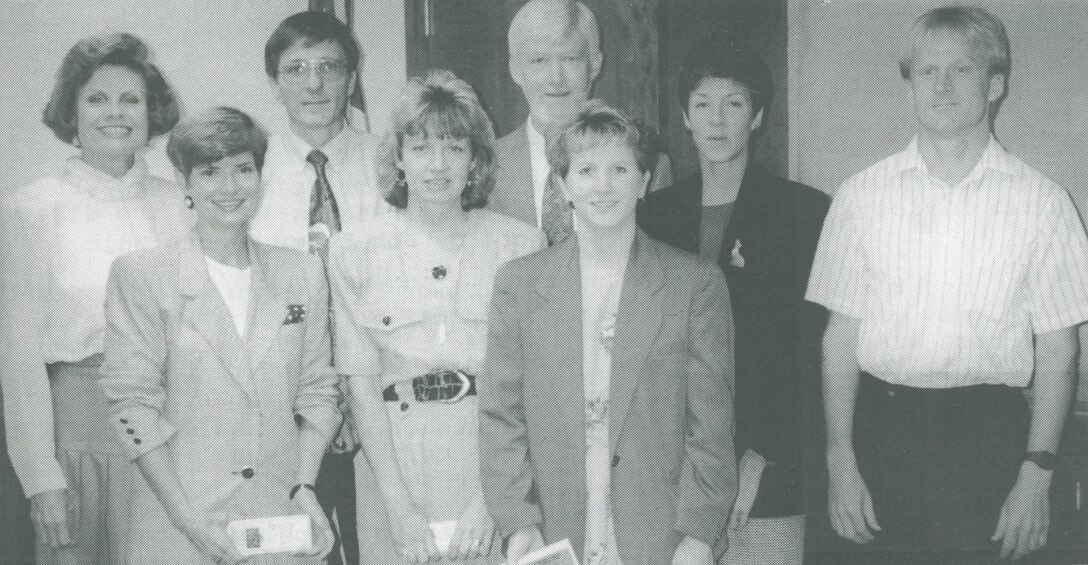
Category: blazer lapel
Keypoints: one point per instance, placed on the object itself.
(561, 286)
(208, 314)
(637, 323)
(268, 305)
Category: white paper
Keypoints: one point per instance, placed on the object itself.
(443, 533)
(558, 553)
(278, 534)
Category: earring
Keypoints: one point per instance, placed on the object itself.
(189, 202)
(401, 184)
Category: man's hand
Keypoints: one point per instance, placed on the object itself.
(523, 541)
(1025, 516)
(848, 501)
(49, 512)
(691, 551)
(750, 471)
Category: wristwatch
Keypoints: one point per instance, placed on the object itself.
(1044, 459)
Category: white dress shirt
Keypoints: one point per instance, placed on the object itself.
(538, 160)
(951, 282)
(288, 179)
(60, 235)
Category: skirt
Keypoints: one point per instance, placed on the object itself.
(436, 448)
(98, 474)
(767, 541)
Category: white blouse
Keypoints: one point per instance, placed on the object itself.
(58, 237)
(234, 286)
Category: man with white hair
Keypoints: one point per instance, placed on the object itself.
(555, 55)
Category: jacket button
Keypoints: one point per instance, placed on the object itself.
(615, 460)
(247, 473)
(130, 431)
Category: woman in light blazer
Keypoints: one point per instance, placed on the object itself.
(217, 363)
(606, 400)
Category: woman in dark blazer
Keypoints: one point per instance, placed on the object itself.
(762, 231)
(607, 391)
(217, 364)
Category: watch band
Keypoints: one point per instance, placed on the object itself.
(296, 488)
(1044, 459)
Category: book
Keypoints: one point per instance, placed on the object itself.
(558, 553)
(278, 534)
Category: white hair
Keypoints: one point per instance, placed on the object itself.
(553, 18)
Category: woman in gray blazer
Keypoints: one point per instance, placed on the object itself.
(607, 396)
(217, 363)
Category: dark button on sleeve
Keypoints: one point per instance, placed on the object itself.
(247, 473)
(615, 460)
(130, 431)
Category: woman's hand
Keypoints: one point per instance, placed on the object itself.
(750, 471)
(412, 533)
(523, 542)
(208, 532)
(323, 539)
(691, 551)
(475, 531)
(49, 512)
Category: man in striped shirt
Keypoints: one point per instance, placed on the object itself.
(955, 275)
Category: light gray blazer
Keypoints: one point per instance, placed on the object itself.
(177, 372)
(671, 401)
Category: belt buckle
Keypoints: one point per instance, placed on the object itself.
(465, 385)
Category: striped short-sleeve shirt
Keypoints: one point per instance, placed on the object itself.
(951, 282)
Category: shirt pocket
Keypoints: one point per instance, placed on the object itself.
(384, 318)
(988, 289)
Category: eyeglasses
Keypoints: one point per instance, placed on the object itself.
(327, 69)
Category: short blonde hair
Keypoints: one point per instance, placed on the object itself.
(211, 135)
(983, 30)
(445, 106)
(598, 123)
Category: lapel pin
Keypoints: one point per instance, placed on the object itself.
(737, 260)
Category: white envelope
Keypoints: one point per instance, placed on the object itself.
(558, 553)
(277, 534)
(443, 533)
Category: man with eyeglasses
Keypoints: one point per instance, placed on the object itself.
(319, 176)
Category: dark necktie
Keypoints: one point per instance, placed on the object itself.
(324, 214)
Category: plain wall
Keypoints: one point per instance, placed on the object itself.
(849, 107)
(211, 52)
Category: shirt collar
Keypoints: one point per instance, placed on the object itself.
(994, 157)
(336, 149)
(537, 145)
(104, 186)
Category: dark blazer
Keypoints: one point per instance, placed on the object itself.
(670, 418)
(777, 224)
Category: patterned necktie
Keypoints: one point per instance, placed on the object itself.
(555, 214)
(324, 222)
(324, 214)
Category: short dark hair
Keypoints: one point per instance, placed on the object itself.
(211, 135)
(445, 106)
(595, 125)
(311, 28)
(80, 64)
(719, 57)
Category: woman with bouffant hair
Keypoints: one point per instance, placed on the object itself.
(410, 294)
(59, 236)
